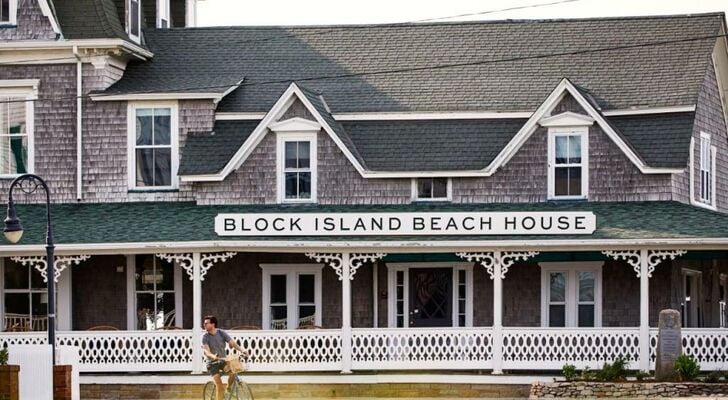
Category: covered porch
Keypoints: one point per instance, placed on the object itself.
(518, 303)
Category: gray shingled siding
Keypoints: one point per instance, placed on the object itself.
(55, 127)
(99, 292)
(31, 24)
(709, 119)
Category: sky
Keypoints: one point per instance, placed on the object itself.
(327, 12)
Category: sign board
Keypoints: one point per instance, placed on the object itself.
(409, 223)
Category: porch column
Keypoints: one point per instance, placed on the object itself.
(196, 265)
(497, 264)
(345, 265)
(643, 262)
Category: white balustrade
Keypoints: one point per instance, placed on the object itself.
(709, 346)
(8, 339)
(422, 348)
(291, 350)
(551, 348)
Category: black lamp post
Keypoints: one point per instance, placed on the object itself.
(13, 231)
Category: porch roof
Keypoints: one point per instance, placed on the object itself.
(168, 222)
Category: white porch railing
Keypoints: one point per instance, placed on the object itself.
(294, 350)
(709, 346)
(382, 348)
(422, 348)
(551, 348)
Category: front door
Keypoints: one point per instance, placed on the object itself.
(430, 292)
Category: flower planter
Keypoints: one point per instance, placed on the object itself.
(9, 385)
(580, 389)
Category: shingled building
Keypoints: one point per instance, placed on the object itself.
(445, 196)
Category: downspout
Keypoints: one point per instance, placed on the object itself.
(79, 122)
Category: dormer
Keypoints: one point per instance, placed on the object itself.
(8, 12)
(159, 14)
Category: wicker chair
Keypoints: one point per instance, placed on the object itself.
(103, 328)
(245, 328)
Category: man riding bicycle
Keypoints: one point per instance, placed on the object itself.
(213, 346)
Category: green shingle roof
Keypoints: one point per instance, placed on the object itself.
(186, 221)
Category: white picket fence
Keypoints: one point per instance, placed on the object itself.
(381, 348)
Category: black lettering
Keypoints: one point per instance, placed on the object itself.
(276, 226)
(343, 227)
(435, 223)
(394, 223)
(360, 225)
(451, 224)
(550, 221)
(329, 224)
(563, 223)
(229, 224)
(418, 223)
(465, 223)
(528, 223)
(377, 223)
(294, 224)
(579, 223)
(243, 227)
(510, 221)
(485, 222)
(258, 224)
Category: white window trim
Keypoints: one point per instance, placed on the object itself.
(583, 132)
(291, 271)
(572, 294)
(708, 201)
(281, 139)
(415, 192)
(131, 315)
(13, 10)
(694, 303)
(163, 5)
(393, 268)
(135, 38)
(27, 88)
(132, 107)
(724, 301)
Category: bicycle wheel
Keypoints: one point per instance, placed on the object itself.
(241, 392)
(209, 392)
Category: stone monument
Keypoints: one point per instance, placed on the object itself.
(669, 345)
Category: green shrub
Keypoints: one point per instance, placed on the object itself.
(615, 371)
(713, 377)
(569, 372)
(687, 368)
(4, 356)
(587, 375)
(641, 375)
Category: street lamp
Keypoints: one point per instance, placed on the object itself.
(13, 231)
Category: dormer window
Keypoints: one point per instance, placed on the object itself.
(163, 14)
(431, 189)
(135, 21)
(296, 159)
(8, 12)
(707, 166)
(568, 155)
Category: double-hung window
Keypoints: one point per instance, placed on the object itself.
(16, 126)
(163, 14)
(707, 168)
(297, 167)
(25, 298)
(134, 20)
(568, 163)
(8, 12)
(431, 189)
(571, 294)
(153, 146)
(291, 295)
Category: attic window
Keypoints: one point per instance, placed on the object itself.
(431, 189)
(162, 14)
(8, 12)
(134, 21)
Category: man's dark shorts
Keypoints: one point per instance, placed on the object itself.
(216, 367)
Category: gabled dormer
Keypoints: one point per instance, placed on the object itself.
(160, 14)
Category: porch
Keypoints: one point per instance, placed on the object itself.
(522, 349)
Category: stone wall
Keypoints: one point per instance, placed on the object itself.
(627, 389)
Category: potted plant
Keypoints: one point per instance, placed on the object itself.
(9, 374)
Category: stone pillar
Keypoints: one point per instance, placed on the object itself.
(669, 345)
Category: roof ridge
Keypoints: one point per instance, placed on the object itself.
(446, 23)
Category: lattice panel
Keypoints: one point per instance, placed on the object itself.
(526, 348)
(8, 339)
(299, 350)
(708, 346)
(131, 351)
(422, 348)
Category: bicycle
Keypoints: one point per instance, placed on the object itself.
(238, 389)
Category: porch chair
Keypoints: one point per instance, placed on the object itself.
(279, 323)
(40, 323)
(103, 328)
(13, 320)
(245, 328)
